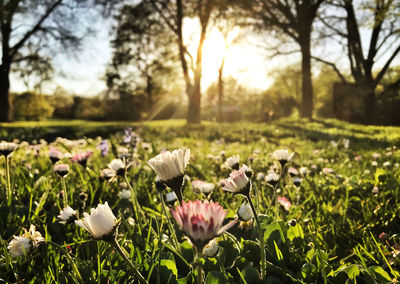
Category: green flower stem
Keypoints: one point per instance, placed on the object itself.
(261, 238)
(9, 191)
(65, 195)
(71, 261)
(221, 264)
(121, 251)
(197, 263)
(171, 227)
(136, 205)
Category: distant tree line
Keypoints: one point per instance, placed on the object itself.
(151, 63)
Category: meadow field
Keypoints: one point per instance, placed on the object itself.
(329, 213)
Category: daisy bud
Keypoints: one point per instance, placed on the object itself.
(125, 194)
(66, 215)
(297, 181)
(293, 172)
(6, 148)
(201, 221)
(61, 169)
(247, 170)
(101, 222)
(81, 158)
(282, 156)
(260, 176)
(272, 179)
(303, 171)
(233, 162)
(107, 174)
(170, 198)
(118, 166)
(245, 213)
(211, 249)
(284, 202)
(237, 182)
(200, 186)
(55, 155)
(19, 245)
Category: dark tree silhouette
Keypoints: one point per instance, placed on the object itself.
(381, 17)
(48, 24)
(294, 19)
(142, 53)
(173, 13)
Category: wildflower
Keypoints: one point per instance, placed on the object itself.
(100, 223)
(118, 166)
(81, 158)
(284, 202)
(303, 171)
(107, 174)
(200, 186)
(334, 144)
(245, 213)
(247, 170)
(297, 181)
(374, 164)
(147, 147)
(357, 158)
(21, 245)
(211, 249)
(375, 190)
(170, 198)
(386, 164)
(328, 171)
(55, 155)
(104, 148)
(6, 148)
(376, 155)
(66, 214)
(201, 221)
(237, 182)
(272, 178)
(61, 169)
(170, 168)
(233, 162)
(282, 156)
(383, 236)
(260, 176)
(293, 172)
(346, 143)
(125, 194)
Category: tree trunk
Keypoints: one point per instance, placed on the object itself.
(369, 105)
(193, 116)
(149, 91)
(4, 94)
(307, 88)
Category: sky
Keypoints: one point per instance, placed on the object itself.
(83, 73)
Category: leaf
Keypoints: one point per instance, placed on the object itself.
(307, 270)
(275, 232)
(215, 277)
(380, 176)
(295, 232)
(250, 275)
(352, 271)
(168, 270)
(380, 273)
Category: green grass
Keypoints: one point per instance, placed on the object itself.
(339, 219)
